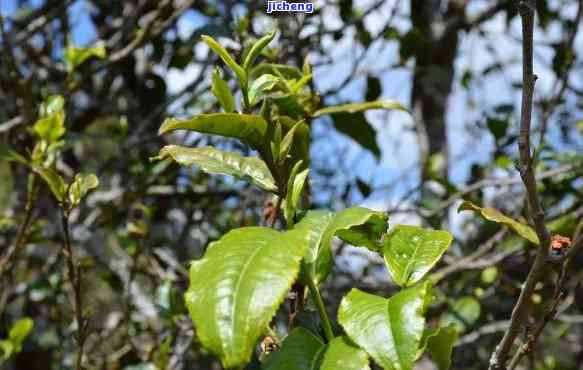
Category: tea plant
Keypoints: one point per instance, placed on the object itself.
(243, 278)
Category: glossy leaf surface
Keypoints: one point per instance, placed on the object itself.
(226, 57)
(358, 226)
(342, 353)
(411, 251)
(360, 107)
(389, 330)
(216, 161)
(248, 128)
(492, 214)
(257, 48)
(236, 288)
(81, 185)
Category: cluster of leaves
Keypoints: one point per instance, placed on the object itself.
(237, 287)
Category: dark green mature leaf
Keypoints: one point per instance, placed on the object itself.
(236, 288)
(389, 330)
(248, 128)
(411, 251)
(359, 226)
(226, 57)
(300, 350)
(215, 161)
(6, 186)
(80, 186)
(343, 354)
(492, 214)
(373, 88)
(360, 107)
(257, 48)
(463, 313)
(221, 91)
(54, 181)
(357, 127)
(9, 155)
(440, 346)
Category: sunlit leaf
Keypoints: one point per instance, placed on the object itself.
(237, 287)
(248, 128)
(215, 161)
(80, 186)
(260, 86)
(226, 57)
(411, 251)
(51, 127)
(257, 48)
(492, 214)
(389, 330)
(342, 353)
(75, 56)
(359, 107)
(358, 226)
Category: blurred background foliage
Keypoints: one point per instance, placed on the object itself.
(454, 63)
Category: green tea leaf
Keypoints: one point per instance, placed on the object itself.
(237, 287)
(215, 161)
(250, 129)
(54, 181)
(358, 226)
(52, 105)
(300, 350)
(80, 186)
(226, 57)
(359, 107)
(492, 214)
(75, 56)
(389, 330)
(20, 330)
(221, 91)
(257, 48)
(51, 127)
(280, 70)
(9, 155)
(411, 251)
(260, 86)
(440, 346)
(342, 353)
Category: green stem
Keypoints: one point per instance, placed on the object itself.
(315, 292)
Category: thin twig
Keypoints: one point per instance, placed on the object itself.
(74, 274)
(527, 173)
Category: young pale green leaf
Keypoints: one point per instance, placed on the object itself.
(75, 56)
(300, 350)
(226, 57)
(300, 147)
(221, 91)
(51, 105)
(257, 48)
(215, 161)
(20, 330)
(360, 107)
(492, 214)
(411, 251)
(463, 313)
(260, 87)
(54, 181)
(248, 128)
(81, 185)
(342, 353)
(440, 346)
(237, 287)
(287, 142)
(51, 127)
(358, 226)
(389, 330)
